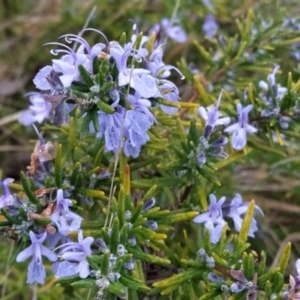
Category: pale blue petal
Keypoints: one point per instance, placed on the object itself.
(73, 256)
(40, 80)
(36, 272)
(83, 269)
(48, 253)
(202, 218)
(239, 139)
(26, 253)
(64, 269)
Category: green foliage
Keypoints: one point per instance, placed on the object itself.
(173, 259)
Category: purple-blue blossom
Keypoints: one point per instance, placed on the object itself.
(65, 220)
(110, 127)
(210, 26)
(136, 124)
(240, 129)
(132, 125)
(36, 270)
(38, 111)
(172, 29)
(213, 218)
(7, 199)
(67, 65)
(236, 209)
(74, 256)
(278, 91)
(211, 115)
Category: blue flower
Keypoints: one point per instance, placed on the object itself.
(138, 78)
(166, 89)
(210, 26)
(235, 209)
(136, 126)
(110, 127)
(38, 111)
(67, 65)
(7, 199)
(74, 255)
(36, 270)
(65, 220)
(213, 218)
(212, 116)
(240, 129)
(172, 30)
(278, 91)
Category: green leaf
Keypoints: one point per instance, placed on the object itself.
(122, 40)
(211, 295)
(220, 261)
(116, 288)
(149, 194)
(262, 264)
(75, 173)
(95, 261)
(285, 256)
(72, 134)
(115, 236)
(85, 76)
(267, 276)
(124, 234)
(92, 193)
(182, 217)
(43, 221)
(247, 221)
(58, 167)
(205, 55)
(121, 206)
(98, 157)
(9, 217)
(131, 284)
(84, 283)
(91, 224)
(193, 134)
(147, 257)
(160, 182)
(94, 117)
(96, 65)
(167, 102)
(181, 131)
(28, 191)
(170, 289)
(138, 41)
(68, 279)
(105, 107)
(148, 234)
(179, 278)
(103, 70)
(278, 281)
(250, 267)
(105, 264)
(268, 289)
(85, 126)
(145, 162)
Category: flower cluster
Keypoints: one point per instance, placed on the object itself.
(239, 130)
(114, 85)
(234, 209)
(272, 96)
